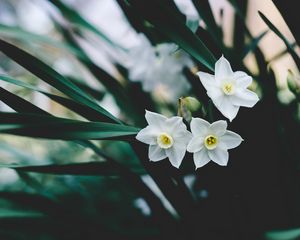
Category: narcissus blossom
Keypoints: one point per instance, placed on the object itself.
(211, 142)
(159, 69)
(228, 89)
(167, 138)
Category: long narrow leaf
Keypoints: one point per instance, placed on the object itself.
(110, 83)
(281, 53)
(85, 111)
(88, 168)
(292, 234)
(95, 93)
(20, 34)
(205, 12)
(18, 213)
(290, 13)
(75, 18)
(47, 74)
(253, 44)
(282, 37)
(121, 94)
(33, 125)
(19, 104)
(30, 118)
(158, 14)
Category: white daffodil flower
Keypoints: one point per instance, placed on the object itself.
(167, 137)
(210, 142)
(228, 89)
(158, 68)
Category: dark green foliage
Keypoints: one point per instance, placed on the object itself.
(255, 197)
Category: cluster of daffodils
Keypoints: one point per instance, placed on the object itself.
(157, 68)
(169, 137)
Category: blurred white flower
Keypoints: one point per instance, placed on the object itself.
(188, 9)
(228, 89)
(167, 137)
(159, 68)
(210, 142)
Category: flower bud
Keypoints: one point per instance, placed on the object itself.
(192, 104)
(186, 106)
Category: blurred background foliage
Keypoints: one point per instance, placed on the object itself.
(75, 76)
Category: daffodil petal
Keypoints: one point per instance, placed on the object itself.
(176, 154)
(242, 79)
(201, 158)
(174, 123)
(155, 118)
(245, 98)
(223, 68)
(195, 145)
(207, 80)
(231, 139)
(182, 137)
(226, 107)
(199, 127)
(239, 74)
(215, 93)
(219, 156)
(147, 135)
(219, 127)
(156, 153)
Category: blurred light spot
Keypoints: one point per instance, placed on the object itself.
(141, 204)
(202, 194)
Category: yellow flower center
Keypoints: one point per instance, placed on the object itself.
(211, 142)
(165, 141)
(228, 88)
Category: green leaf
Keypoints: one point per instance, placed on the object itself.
(281, 53)
(192, 24)
(107, 168)
(205, 12)
(239, 28)
(158, 14)
(260, 59)
(85, 111)
(282, 37)
(20, 34)
(292, 234)
(19, 104)
(18, 213)
(290, 15)
(95, 93)
(253, 44)
(42, 126)
(50, 76)
(30, 118)
(75, 18)
(110, 83)
(121, 92)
